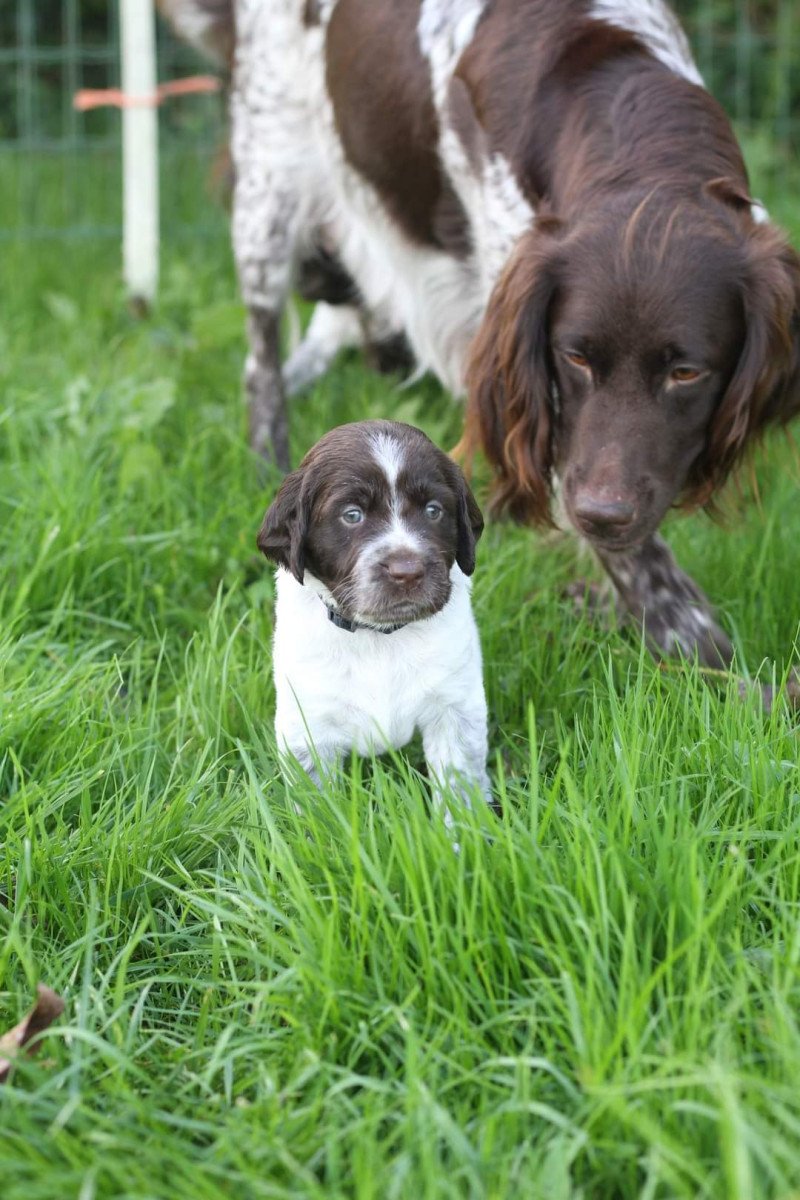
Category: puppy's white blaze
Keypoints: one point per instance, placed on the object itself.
(390, 458)
(388, 454)
(399, 538)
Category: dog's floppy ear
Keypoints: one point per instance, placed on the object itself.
(765, 387)
(469, 517)
(509, 379)
(283, 532)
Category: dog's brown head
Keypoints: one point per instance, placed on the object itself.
(635, 353)
(379, 515)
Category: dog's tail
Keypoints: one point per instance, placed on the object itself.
(208, 25)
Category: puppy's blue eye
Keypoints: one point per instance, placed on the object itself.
(433, 511)
(352, 516)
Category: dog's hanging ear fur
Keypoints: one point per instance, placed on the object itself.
(283, 532)
(509, 408)
(469, 518)
(765, 387)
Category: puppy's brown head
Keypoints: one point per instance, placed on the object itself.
(378, 514)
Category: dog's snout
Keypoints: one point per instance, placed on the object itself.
(405, 569)
(602, 511)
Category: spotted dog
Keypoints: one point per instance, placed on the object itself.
(543, 199)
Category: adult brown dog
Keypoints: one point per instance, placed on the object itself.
(543, 198)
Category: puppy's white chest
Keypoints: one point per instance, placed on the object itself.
(372, 705)
(365, 691)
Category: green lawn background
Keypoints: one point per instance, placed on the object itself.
(597, 998)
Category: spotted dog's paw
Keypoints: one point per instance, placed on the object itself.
(597, 602)
(770, 695)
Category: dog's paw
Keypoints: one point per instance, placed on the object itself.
(596, 602)
(789, 693)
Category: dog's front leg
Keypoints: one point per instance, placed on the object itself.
(676, 616)
(267, 220)
(331, 329)
(319, 762)
(266, 399)
(455, 745)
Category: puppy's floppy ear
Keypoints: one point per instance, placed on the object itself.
(765, 387)
(283, 532)
(469, 518)
(509, 379)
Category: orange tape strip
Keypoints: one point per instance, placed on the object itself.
(115, 98)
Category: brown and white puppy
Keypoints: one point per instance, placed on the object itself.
(374, 536)
(551, 176)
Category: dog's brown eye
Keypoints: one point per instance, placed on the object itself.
(352, 516)
(577, 359)
(433, 511)
(684, 374)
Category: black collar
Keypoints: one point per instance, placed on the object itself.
(352, 626)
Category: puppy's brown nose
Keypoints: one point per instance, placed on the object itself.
(602, 512)
(405, 569)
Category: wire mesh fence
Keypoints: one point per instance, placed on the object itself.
(60, 169)
(748, 52)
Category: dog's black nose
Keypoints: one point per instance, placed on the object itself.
(404, 568)
(602, 513)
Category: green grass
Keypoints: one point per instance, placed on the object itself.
(598, 998)
(73, 191)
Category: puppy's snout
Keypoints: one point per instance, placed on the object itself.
(407, 570)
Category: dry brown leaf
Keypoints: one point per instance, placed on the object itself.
(48, 1006)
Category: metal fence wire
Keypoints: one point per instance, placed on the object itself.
(60, 169)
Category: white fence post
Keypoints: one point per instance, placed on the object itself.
(139, 149)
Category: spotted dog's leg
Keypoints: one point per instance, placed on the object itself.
(598, 602)
(674, 613)
(321, 276)
(269, 208)
(388, 353)
(330, 330)
(677, 617)
(264, 232)
(333, 328)
(269, 428)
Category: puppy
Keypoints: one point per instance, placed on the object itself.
(374, 536)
